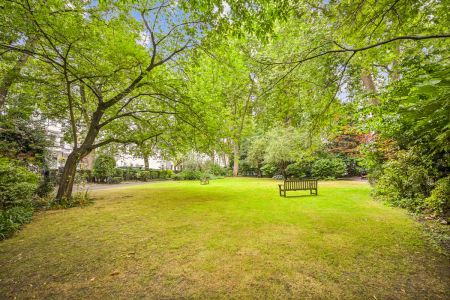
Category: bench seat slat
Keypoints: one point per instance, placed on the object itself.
(298, 185)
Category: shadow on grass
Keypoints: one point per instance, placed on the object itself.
(298, 196)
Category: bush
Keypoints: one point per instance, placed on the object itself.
(439, 201)
(165, 174)
(328, 168)
(269, 170)
(191, 174)
(115, 180)
(104, 167)
(299, 169)
(78, 199)
(352, 166)
(17, 184)
(178, 176)
(119, 172)
(405, 181)
(12, 219)
(144, 175)
(46, 187)
(218, 170)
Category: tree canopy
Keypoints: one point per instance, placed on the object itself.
(260, 82)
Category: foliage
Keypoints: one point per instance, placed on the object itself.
(406, 181)
(299, 169)
(115, 180)
(217, 170)
(286, 145)
(104, 167)
(190, 174)
(439, 200)
(17, 184)
(45, 187)
(144, 175)
(13, 218)
(79, 199)
(23, 138)
(328, 168)
(269, 169)
(165, 174)
(17, 188)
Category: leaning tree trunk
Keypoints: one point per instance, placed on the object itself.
(70, 168)
(68, 177)
(236, 159)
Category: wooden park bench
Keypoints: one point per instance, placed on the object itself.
(298, 185)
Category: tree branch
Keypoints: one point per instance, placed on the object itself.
(132, 113)
(115, 140)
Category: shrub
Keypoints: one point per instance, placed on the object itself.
(17, 184)
(78, 199)
(130, 173)
(115, 180)
(439, 201)
(119, 172)
(104, 167)
(328, 168)
(45, 187)
(217, 170)
(352, 166)
(178, 176)
(144, 175)
(191, 174)
(269, 169)
(405, 181)
(299, 169)
(13, 218)
(165, 174)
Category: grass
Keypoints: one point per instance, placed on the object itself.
(233, 238)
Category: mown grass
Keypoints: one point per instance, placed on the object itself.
(233, 238)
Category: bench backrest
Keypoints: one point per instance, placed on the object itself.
(300, 184)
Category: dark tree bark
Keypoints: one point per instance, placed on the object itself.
(70, 167)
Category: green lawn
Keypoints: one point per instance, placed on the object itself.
(233, 238)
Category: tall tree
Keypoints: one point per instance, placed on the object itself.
(118, 63)
(224, 80)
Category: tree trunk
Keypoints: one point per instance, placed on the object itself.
(283, 170)
(369, 85)
(68, 177)
(146, 162)
(236, 159)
